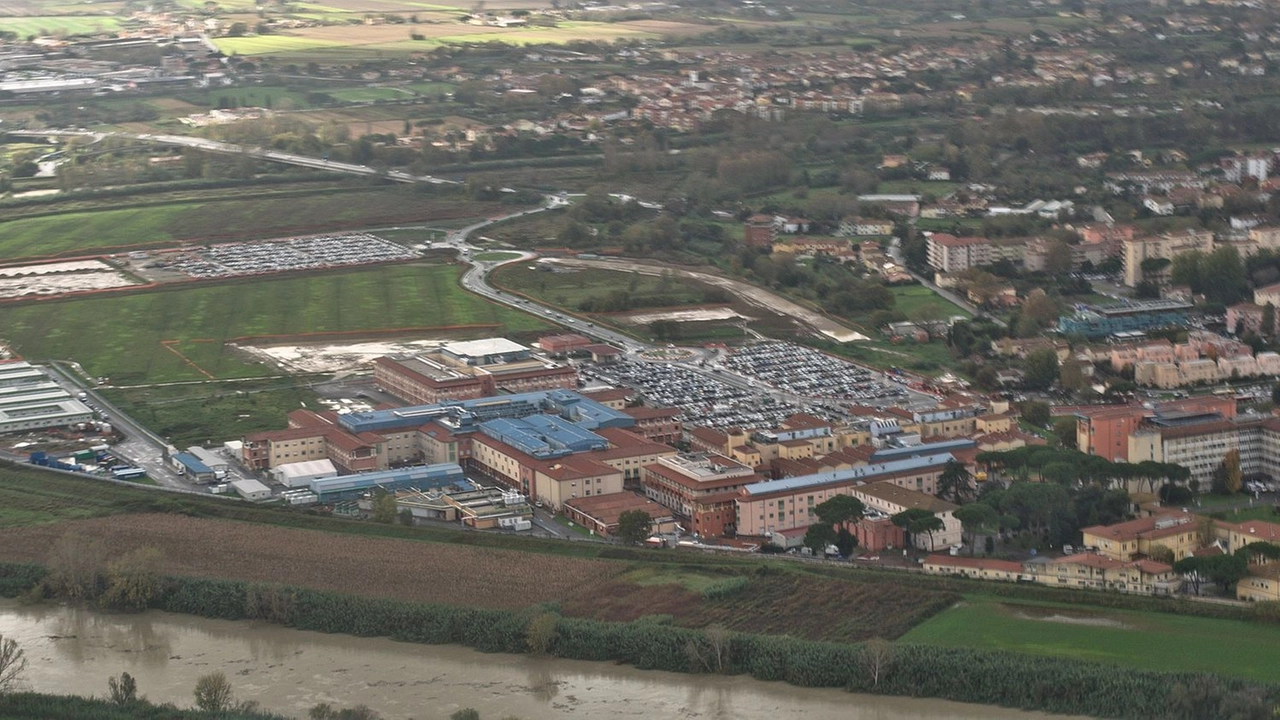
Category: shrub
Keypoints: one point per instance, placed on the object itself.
(728, 587)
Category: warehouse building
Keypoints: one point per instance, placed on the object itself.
(423, 477)
(215, 462)
(190, 467)
(300, 474)
(251, 490)
(29, 400)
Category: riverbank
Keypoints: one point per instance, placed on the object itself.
(289, 671)
(973, 676)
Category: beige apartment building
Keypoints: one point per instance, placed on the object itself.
(951, 254)
(1180, 532)
(1081, 571)
(1167, 246)
(772, 506)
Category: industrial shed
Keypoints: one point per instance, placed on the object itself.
(300, 474)
(194, 470)
(213, 461)
(252, 490)
(422, 477)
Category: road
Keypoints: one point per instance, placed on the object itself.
(141, 447)
(476, 281)
(895, 252)
(147, 450)
(752, 294)
(254, 152)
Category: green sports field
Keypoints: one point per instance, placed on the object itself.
(178, 333)
(1147, 640)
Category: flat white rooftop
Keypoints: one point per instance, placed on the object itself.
(488, 346)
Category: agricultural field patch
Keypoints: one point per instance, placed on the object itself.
(237, 218)
(180, 333)
(60, 24)
(272, 44)
(344, 38)
(373, 567)
(1146, 640)
(775, 603)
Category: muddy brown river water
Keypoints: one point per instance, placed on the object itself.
(74, 651)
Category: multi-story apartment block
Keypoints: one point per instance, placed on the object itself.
(1165, 247)
(950, 254)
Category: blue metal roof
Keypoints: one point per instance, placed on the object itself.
(899, 453)
(543, 436)
(467, 415)
(438, 474)
(193, 464)
(867, 473)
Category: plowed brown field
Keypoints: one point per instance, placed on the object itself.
(377, 567)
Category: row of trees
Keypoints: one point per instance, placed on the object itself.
(1066, 466)
(837, 515)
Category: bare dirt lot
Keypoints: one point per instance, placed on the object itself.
(59, 278)
(750, 293)
(402, 569)
(336, 357)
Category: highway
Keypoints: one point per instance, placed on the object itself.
(254, 152)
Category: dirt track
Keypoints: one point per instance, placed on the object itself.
(748, 292)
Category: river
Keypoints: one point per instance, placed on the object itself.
(74, 651)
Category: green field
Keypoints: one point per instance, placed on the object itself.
(33, 497)
(210, 413)
(495, 256)
(228, 219)
(271, 44)
(918, 301)
(59, 25)
(121, 337)
(569, 289)
(1147, 640)
(370, 94)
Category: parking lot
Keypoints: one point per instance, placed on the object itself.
(703, 401)
(803, 371)
(300, 253)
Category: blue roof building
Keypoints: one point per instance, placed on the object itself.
(1103, 320)
(191, 466)
(420, 477)
(464, 416)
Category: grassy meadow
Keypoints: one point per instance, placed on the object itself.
(178, 333)
(208, 413)
(235, 218)
(1145, 640)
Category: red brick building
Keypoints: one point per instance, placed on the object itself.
(661, 425)
(432, 377)
(701, 488)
